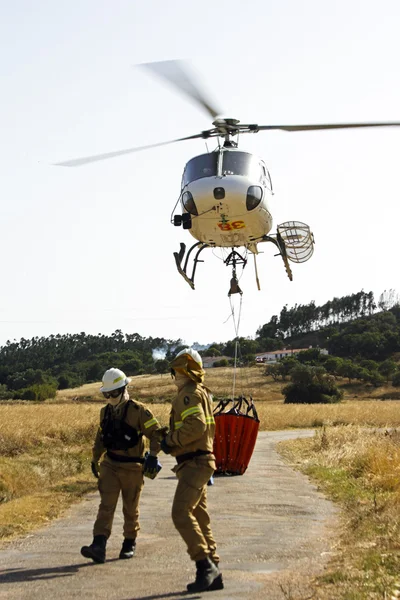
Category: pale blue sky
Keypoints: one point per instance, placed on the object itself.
(90, 249)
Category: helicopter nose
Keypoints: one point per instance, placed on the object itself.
(219, 193)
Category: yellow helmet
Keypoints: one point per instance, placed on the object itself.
(188, 362)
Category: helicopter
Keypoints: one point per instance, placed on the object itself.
(225, 194)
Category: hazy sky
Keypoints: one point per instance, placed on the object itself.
(90, 249)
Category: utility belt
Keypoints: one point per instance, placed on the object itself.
(189, 455)
(125, 459)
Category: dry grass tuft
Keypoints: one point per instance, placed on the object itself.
(26, 426)
(21, 515)
(274, 415)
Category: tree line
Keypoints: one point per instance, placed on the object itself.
(34, 369)
(313, 362)
(354, 326)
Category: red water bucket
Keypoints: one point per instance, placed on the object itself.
(235, 435)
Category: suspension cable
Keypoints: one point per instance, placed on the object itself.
(236, 325)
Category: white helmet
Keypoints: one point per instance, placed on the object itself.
(114, 379)
(193, 353)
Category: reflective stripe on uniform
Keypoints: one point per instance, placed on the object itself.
(178, 424)
(150, 422)
(210, 420)
(190, 411)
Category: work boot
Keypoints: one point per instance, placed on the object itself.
(128, 548)
(207, 575)
(217, 584)
(97, 549)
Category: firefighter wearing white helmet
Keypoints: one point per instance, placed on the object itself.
(190, 440)
(119, 443)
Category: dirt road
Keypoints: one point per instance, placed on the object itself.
(273, 529)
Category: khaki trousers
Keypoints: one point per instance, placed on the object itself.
(114, 478)
(189, 510)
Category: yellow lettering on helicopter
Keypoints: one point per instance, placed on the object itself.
(228, 226)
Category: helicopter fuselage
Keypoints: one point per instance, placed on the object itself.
(227, 193)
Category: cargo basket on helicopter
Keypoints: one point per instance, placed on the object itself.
(298, 239)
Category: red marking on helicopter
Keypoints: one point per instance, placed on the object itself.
(228, 226)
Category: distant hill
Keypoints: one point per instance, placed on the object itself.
(354, 326)
(348, 327)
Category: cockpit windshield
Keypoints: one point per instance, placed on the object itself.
(232, 162)
(204, 165)
(240, 163)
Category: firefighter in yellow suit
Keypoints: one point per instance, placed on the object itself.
(190, 440)
(123, 422)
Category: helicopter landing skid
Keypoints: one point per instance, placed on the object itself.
(280, 244)
(179, 258)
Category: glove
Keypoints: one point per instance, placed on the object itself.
(163, 432)
(95, 469)
(165, 448)
(151, 466)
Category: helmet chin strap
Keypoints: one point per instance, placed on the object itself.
(123, 396)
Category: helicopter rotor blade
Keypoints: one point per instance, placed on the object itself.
(78, 162)
(174, 72)
(327, 126)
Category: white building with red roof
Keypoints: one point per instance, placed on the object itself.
(275, 355)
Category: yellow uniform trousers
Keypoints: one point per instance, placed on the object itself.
(114, 478)
(189, 510)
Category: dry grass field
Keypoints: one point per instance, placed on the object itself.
(250, 381)
(362, 404)
(158, 388)
(45, 462)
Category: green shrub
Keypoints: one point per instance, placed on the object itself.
(26, 394)
(40, 391)
(396, 379)
(161, 366)
(311, 385)
(221, 363)
(4, 393)
(376, 378)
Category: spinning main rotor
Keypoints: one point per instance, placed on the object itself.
(175, 74)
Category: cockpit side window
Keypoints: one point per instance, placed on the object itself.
(240, 163)
(204, 165)
(266, 177)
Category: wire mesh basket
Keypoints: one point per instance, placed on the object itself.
(298, 239)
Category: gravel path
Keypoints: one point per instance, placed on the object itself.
(273, 528)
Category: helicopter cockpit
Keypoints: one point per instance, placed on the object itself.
(224, 162)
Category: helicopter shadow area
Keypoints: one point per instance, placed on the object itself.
(18, 575)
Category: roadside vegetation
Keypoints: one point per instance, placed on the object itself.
(359, 469)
